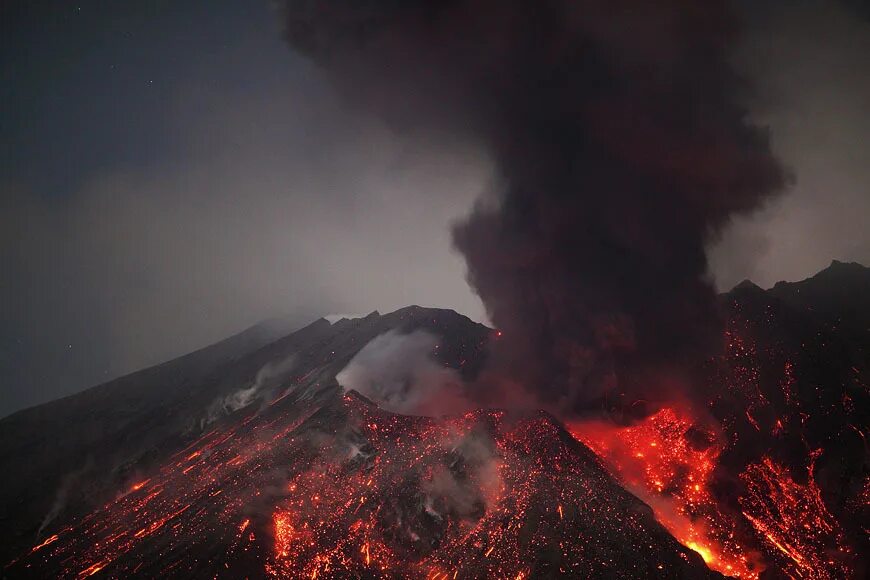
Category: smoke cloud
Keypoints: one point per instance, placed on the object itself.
(469, 482)
(621, 149)
(266, 379)
(67, 488)
(397, 372)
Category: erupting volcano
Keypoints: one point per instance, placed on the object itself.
(310, 480)
(621, 420)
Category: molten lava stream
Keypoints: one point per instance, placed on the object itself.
(792, 518)
(656, 462)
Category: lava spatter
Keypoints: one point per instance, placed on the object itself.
(773, 520)
(318, 483)
(657, 462)
(792, 518)
(347, 489)
(467, 497)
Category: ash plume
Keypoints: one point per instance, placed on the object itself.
(621, 149)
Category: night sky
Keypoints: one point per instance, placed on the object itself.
(171, 173)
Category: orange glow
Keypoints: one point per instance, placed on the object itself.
(792, 518)
(657, 463)
(47, 541)
(332, 515)
(93, 569)
(140, 485)
(284, 534)
(703, 550)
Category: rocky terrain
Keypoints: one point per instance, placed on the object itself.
(248, 459)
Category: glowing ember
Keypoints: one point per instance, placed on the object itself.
(140, 485)
(793, 519)
(470, 500)
(656, 462)
(330, 486)
(47, 541)
(347, 489)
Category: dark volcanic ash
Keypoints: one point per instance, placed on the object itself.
(620, 147)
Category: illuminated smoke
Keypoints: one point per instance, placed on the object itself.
(620, 150)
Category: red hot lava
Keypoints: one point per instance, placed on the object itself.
(352, 490)
(656, 461)
(793, 518)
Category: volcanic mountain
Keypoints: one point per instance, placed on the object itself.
(249, 459)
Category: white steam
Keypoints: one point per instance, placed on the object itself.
(397, 372)
(243, 397)
(61, 497)
(478, 488)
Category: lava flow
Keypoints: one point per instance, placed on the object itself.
(659, 462)
(469, 497)
(661, 465)
(793, 518)
(345, 488)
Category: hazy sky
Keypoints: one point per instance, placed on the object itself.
(809, 62)
(171, 173)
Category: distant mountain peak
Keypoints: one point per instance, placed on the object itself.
(747, 284)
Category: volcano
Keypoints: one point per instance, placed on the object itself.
(249, 459)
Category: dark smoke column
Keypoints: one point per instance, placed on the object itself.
(620, 148)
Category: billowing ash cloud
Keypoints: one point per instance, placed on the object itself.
(620, 147)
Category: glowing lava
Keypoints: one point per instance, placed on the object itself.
(792, 518)
(657, 462)
(321, 484)
(470, 498)
(345, 489)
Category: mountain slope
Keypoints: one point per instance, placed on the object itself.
(72, 454)
(793, 393)
(252, 461)
(316, 482)
(340, 488)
